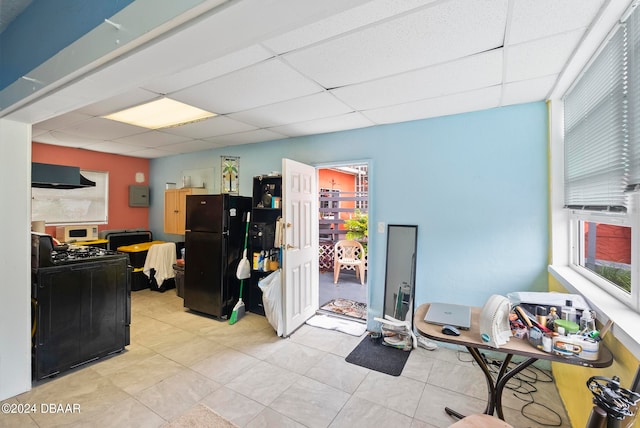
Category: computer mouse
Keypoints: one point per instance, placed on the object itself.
(450, 330)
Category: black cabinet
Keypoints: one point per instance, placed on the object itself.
(81, 313)
(267, 203)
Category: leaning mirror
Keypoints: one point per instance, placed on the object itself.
(400, 271)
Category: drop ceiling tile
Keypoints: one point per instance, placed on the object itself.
(63, 121)
(104, 129)
(265, 83)
(52, 106)
(473, 72)
(541, 57)
(527, 91)
(302, 109)
(322, 126)
(235, 25)
(480, 99)
(111, 147)
(257, 136)
(59, 138)
(532, 20)
(152, 139)
(340, 23)
(119, 102)
(189, 146)
(432, 35)
(150, 153)
(207, 71)
(105, 84)
(214, 126)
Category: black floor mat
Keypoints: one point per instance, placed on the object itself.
(372, 354)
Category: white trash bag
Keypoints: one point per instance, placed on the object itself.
(271, 287)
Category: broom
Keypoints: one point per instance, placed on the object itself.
(242, 272)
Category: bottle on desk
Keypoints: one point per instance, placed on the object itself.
(569, 312)
(587, 323)
(551, 318)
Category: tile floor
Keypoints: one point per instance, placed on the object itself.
(255, 379)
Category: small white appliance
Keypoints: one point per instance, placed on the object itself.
(77, 233)
(494, 321)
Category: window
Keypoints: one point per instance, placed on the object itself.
(602, 252)
(602, 164)
(329, 200)
(362, 187)
(88, 205)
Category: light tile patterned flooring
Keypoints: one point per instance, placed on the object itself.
(255, 379)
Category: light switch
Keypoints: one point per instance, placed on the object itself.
(380, 227)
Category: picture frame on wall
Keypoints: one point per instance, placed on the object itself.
(230, 174)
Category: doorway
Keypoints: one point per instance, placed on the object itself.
(343, 203)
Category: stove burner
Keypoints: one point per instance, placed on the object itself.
(80, 253)
(45, 254)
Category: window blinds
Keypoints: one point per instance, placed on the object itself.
(633, 31)
(597, 131)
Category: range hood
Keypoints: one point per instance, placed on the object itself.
(48, 176)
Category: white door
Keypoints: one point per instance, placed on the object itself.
(300, 255)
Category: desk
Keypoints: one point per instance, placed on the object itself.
(471, 340)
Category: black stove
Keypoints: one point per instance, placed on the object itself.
(81, 305)
(44, 253)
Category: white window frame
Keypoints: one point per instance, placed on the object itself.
(576, 256)
(63, 201)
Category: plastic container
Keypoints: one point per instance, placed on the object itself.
(590, 347)
(564, 327)
(547, 343)
(587, 323)
(396, 337)
(535, 337)
(137, 252)
(576, 346)
(565, 346)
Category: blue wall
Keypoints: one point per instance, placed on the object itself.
(476, 184)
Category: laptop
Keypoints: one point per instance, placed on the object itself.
(449, 314)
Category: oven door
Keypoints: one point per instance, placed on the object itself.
(83, 311)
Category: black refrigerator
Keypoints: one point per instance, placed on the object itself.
(214, 241)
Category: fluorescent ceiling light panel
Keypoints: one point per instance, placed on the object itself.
(162, 113)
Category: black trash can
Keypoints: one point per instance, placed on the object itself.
(179, 272)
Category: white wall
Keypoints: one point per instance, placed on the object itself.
(15, 256)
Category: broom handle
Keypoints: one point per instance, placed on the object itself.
(246, 232)
(246, 236)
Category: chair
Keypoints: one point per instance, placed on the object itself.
(348, 253)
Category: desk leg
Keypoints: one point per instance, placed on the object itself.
(505, 376)
(491, 389)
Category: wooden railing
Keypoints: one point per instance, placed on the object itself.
(331, 207)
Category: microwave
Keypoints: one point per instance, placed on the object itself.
(87, 232)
